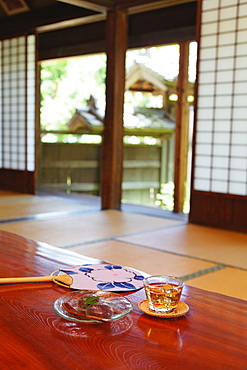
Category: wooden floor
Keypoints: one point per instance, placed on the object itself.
(156, 242)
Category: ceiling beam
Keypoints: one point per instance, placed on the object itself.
(47, 19)
(71, 23)
(131, 6)
(139, 6)
(95, 5)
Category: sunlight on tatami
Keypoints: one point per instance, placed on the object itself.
(206, 258)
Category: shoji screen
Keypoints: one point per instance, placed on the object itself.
(220, 163)
(17, 120)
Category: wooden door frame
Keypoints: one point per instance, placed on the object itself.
(112, 145)
(182, 129)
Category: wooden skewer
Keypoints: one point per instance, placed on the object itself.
(63, 279)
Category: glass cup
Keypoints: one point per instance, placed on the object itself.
(163, 292)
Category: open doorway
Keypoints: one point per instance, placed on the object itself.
(152, 76)
(72, 115)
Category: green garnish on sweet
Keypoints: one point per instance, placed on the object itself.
(90, 300)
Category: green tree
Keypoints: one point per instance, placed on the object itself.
(52, 73)
(67, 85)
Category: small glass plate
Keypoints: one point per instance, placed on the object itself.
(120, 305)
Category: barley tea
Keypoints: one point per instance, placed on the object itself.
(163, 292)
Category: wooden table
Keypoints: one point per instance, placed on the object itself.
(213, 334)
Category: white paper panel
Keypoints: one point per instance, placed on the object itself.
(241, 23)
(203, 161)
(225, 63)
(203, 149)
(239, 164)
(220, 174)
(204, 125)
(227, 25)
(210, 16)
(223, 113)
(220, 162)
(239, 151)
(208, 65)
(224, 89)
(205, 102)
(18, 64)
(237, 188)
(221, 140)
(226, 51)
(242, 49)
(205, 113)
(223, 101)
(222, 126)
(221, 150)
(238, 176)
(219, 186)
(205, 90)
(203, 172)
(204, 137)
(241, 62)
(243, 8)
(227, 38)
(224, 76)
(239, 113)
(228, 3)
(240, 101)
(239, 126)
(202, 185)
(210, 40)
(208, 53)
(240, 88)
(210, 28)
(239, 138)
(210, 4)
(207, 78)
(228, 13)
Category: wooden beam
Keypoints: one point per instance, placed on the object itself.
(71, 23)
(181, 132)
(139, 6)
(95, 5)
(112, 146)
(55, 15)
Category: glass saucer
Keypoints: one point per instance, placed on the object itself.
(120, 305)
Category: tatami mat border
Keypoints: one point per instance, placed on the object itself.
(202, 272)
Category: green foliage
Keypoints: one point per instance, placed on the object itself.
(165, 199)
(67, 85)
(51, 74)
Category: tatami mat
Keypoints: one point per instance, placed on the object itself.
(8, 195)
(144, 259)
(207, 258)
(68, 231)
(37, 205)
(216, 245)
(228, 281)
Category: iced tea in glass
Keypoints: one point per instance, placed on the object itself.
(163, 292)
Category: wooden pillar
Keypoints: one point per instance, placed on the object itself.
(112, 149)
(181, 132)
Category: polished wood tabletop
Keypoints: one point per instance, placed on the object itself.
(212, 335)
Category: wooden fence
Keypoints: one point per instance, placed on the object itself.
(76, 168)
